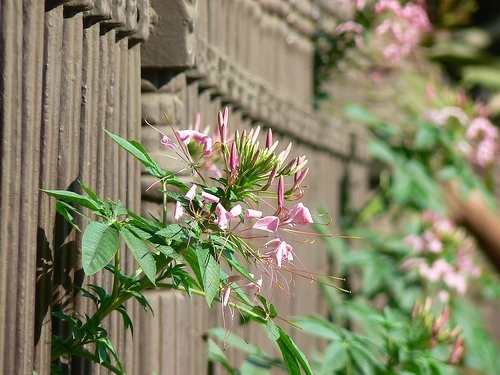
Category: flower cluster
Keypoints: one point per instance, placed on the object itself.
(401, 31)
(397, 29)
(249, 176)
(442, 254)
(483, 137)
(476, 138)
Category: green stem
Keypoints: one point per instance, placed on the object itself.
(70, 344)
(165, 212)
(116, 274)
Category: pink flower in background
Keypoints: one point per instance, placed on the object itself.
(441, 116)
(401, 33)
(444, 254)
(437, 271)
(416, 242)
(456, 280)
(481, 128)
(432, 242)
(353, 28)
(349, 26)
(484, 137)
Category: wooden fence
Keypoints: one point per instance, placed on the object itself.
(70, 69)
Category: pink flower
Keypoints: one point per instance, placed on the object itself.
(252, 214)
(456, 281)
(191, 193)
(254, 286)
(202, 139)
(299, 215)
(279, 251)
(433, 243)
(179, 210)
(233, 161)
(437, 271)
(416, 242)
(349, 26)
(167, 142)
(267, 223)
(224, 216)
(481, 128)
(441, 117)
(209, 198)
(222, 119)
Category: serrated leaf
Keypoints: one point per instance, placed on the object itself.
(119, 210)
(99, 244)
(141, 253)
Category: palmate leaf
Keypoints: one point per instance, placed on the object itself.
(141, 253)
(99, 244)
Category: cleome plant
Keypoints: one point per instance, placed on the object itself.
(206, 246)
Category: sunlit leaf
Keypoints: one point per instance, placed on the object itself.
(99, 244)
(141, 253)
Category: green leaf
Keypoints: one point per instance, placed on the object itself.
(292, 355)
(99, 244)
(482, 75)
(141, 253)
(89, 192)
(127, 321)
(426, 136)
(210, 271)
(381, 151)
(335, 357)
(272, 330)
(447, 172)
(216, 355)
(360, 113)
(119, 210)
(138, 153)
(318, 326)
(72, 197)
(64, 210)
